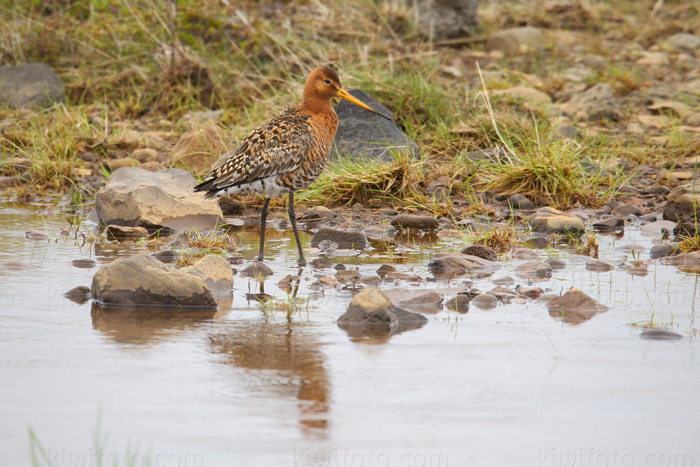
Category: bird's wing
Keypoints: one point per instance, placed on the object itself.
(271, 149)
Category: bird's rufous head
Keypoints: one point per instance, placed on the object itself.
(324, 83)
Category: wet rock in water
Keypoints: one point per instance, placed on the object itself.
(351, 240)
(506, 280)
(364, 135)
(480, 251)
(30, 86)
(83, 263)
(36, 235)
(534, 269)
(348, 276)
(327, 246)
(198, 149)
(79, 295)
(458, 303)
(556, 263)
(683, 42)
(371, 314)
(321, 263)
(144, 281)
(520, 202)
(550, 220)
(659, 251)
(610, 224)
(524, 253)
(409, 221)
(689, 262)
(632, 249)
(448, 264)
(134, 197)
(640, 270)
(216, 273)
(574, 307)
(485, 301)
(503, 294)
(385, 269)
(625, 210)
(529, 292)
(380, 232)
(16, 266)
(257, 269)
(599, 266)
(597, 102)
(516, 40)
(121, 232)
(657, 229)
(369, 280)
(166, 256)
(683, 204)
(417, 300)
(660, 335)
(339, 267)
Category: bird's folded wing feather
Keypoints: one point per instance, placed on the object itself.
(274, 148)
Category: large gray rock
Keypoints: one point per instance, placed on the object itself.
(594, 103)
(446, 19)
(135, 197)
(516, 40)
(141, 280)
(361, 134)
(34, 85)
(371, 314)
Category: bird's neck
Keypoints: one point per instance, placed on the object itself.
(315, 105)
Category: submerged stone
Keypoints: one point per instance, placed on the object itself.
(344, 239)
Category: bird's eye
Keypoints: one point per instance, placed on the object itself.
(327, 81)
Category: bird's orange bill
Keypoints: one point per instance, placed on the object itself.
(344, 94)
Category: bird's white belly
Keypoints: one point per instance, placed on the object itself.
(266, 186)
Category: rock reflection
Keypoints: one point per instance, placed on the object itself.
(295, 357)
(144, 326)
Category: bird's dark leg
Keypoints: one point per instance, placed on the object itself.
(263, 217)
(293, 220)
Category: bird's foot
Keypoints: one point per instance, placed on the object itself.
(301, 262)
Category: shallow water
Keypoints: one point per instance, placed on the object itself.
(508, 386)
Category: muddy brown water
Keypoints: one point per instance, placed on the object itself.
(510, 386)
